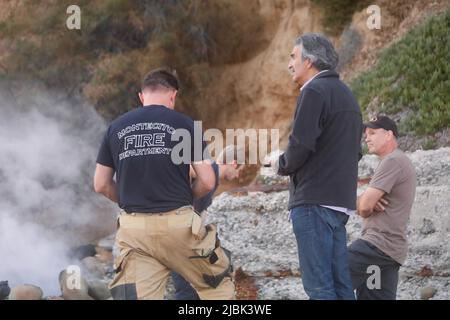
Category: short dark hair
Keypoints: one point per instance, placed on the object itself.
(159, 79)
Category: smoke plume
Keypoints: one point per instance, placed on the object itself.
(48, 148)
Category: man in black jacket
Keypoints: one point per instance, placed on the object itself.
(322, 162)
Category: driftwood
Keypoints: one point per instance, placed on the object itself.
(259, 187)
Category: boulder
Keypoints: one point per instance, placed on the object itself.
(427, 293)
(105, 255)
(73, 286)
(26, 292)
(94, 267)
(4, 290)
(98, 289)
(82, 252)
(54, 298)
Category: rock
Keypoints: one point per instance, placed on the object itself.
(107, 242)
(54, 298)
(350, 45)
(73, 286)
(26, 292)
(443, 137)
(109, 271)
(82, 252)
(427, 293)
(255, 226)
(4, 290)
(427, 227)
(98, 290)
(432, 166)
(367, 165)
(170, 290)
(280, 288)
(105, 255)
(426, 271)
(94, 266)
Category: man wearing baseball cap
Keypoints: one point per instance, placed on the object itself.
(382, 122)
(385, 207)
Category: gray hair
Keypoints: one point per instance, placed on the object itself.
(317, 48)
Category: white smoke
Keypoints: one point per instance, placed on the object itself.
(48, 147)
(29, 255)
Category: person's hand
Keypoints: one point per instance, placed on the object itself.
(380, 206)
(272, 160)
(274, 164)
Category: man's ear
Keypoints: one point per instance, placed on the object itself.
(391, 135)
(174, 96)
(141, 97)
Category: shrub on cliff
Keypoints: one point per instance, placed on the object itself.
(412, 76)
(121, 40)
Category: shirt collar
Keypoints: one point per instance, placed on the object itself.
(307, 82)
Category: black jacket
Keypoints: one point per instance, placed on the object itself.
(325, 145)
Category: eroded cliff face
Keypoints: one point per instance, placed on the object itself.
(259, 93)
(254, 90)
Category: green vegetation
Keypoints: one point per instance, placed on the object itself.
(413, 75)
(429, 144)
(338, 13)
(121, 40)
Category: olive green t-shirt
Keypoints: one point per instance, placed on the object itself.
(396, 176)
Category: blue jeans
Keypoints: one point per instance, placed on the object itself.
(322, 250)
(183, 289)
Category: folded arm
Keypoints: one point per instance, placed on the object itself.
(370, 201)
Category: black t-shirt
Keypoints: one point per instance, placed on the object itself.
(138, 147)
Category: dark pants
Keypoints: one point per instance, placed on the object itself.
(183, 289)
(367, 262)
(322, 250)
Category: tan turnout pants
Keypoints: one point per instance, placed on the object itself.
(152, 245)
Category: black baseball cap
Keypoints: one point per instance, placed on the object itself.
(382, 122)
